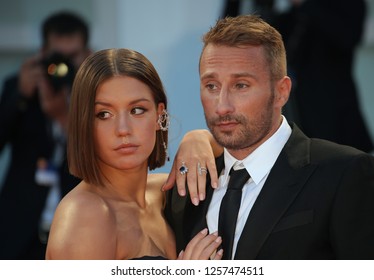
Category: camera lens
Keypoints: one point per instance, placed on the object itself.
(59, 70)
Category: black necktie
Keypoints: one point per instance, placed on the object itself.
(228, 212)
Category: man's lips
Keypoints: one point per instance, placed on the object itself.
(226, 125)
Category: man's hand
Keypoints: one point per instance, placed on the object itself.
(54, 103)
(30, 74)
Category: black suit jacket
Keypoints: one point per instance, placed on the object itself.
(321, 39)
(317, 203)
(24, 126)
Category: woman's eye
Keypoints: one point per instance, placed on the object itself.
(103, 115)
(137, 111)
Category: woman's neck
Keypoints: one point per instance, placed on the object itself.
(127, 185)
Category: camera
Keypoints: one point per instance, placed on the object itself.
(59, 70)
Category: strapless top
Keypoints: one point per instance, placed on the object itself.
(150, 258)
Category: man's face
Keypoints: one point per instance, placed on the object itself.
(238, 97)
(72, 46)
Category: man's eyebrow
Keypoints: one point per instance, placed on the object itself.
(208, 75)
(243, 74)
(235, 75)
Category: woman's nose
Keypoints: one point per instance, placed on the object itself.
(123, 126)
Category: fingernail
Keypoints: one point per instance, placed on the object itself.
(202, 196)
(204, 231)
(215, 233)
(220, 252)
(195, 201)
(214, 185)
(182, 192)
(218, 239)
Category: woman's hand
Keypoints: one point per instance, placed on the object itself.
(203, 247)
(197, 152)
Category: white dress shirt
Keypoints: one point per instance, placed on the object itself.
(258, 165)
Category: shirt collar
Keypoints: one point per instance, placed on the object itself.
(261, 160)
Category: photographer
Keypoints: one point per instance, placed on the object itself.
(33, 120)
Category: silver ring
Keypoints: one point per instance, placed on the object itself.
(200, 169)
(183, 169)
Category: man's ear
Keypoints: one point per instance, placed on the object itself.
(282, 91)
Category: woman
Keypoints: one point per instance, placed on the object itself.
(117, 130)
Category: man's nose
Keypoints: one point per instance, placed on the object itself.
(224, 102)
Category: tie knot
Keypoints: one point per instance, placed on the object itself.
(238, 178)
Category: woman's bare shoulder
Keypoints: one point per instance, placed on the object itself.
(156, 180)
(82, 201)
(83, 220)
(154, 194)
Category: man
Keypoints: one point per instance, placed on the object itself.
(321, 36)
(33, 120)
(305, 198)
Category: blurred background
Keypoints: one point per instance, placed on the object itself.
(168, 32)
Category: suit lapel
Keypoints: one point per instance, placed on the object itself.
(277, 194)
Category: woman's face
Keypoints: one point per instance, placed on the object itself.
(125, 123)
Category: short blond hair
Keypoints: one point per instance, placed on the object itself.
(247, 30)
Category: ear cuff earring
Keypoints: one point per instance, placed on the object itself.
(164, 120)
(164, 123)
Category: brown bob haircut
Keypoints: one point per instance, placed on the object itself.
(250, 30)
(96, 69)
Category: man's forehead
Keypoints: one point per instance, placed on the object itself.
(65, 43)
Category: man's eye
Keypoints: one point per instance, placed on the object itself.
(241, 86)
(103, 115)
(211, 86)
(137, 111)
